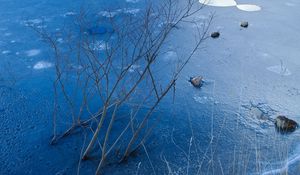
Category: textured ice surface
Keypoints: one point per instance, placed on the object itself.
(239, 67)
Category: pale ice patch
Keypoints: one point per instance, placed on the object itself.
(248, 7)
(7, 34)
(42, 65)
(280, 69)
(33, 52)
(69, 14)
(5, 52)
(108, 14)
(111, 14)
(205, 100)
(131, 11)
(201, 100)
(133, 68)
(132, 1)
(41, 26)
(32, 22)
(60, 40)
(219, 3)
(170, 56)
(290, 4)
(265, 55)
(100, 46)
(75, 67)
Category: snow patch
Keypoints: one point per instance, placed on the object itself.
(32, 22)
(108, 14)
(7, 34)
(33, 52)
(231, 3)
(60, 40)
(219, 3)
(99, 46)
(131, 11)
(111, 14)
(132, 1)
(42, 65)
(5, 52)
(248, 7)
(290, 4)
(205, 100)
(69, 14)
(133, 68)
(170, 56)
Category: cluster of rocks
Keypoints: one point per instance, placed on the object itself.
(282, 123)
(243, 24)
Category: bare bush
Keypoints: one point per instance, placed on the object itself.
(116, 69)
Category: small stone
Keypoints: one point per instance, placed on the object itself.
(244, 24)
(215, 35)
(196, 81)
(284, 124)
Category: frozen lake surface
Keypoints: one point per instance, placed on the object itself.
(226, 127)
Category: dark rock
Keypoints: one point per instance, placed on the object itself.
(244, 24)
(215, 35)
(196, 81)
(284, 124)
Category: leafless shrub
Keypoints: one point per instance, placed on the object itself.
(115, 70)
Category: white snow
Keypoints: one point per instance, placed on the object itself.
(108, 14)
(219, 3)
(6, 52)
(69, 14)
(32, 22)
(231, 3)
(170, 56)
(132, 1)
(42, 65)
(131, 11)
(248, 7)
(290, 4)
(100, 45)
(133, 68)
(33, 52)
(7, 34)
(111, 14)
